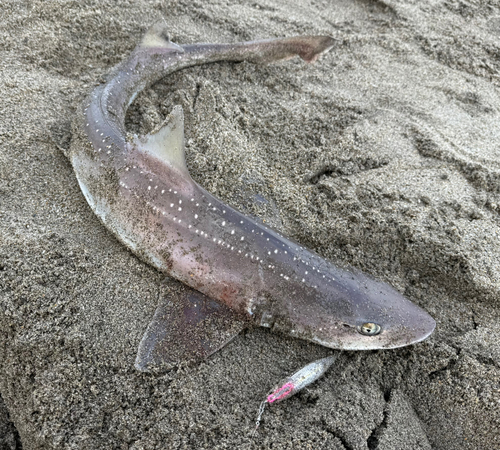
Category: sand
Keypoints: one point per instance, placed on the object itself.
(384, 155)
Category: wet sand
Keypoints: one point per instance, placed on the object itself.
(383, 155)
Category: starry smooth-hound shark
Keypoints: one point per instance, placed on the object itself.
(240, 271)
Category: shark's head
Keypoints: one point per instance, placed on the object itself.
(379, 317)
(351, 311)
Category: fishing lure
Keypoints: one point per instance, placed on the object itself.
(240, 271)
(295, 383)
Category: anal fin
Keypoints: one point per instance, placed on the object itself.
(188, 326)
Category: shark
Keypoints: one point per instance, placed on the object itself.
(239, 272)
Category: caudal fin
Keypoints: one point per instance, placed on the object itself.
(310, 48)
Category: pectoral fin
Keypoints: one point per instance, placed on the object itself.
(188, 326)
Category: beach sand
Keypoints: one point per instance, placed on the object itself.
(384, 155)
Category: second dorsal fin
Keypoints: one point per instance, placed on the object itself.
(157, 36)
(167, 142)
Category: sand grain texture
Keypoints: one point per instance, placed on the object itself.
(384, 155)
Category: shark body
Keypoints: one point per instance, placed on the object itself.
(141, 189)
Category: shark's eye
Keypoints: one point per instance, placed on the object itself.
(370, 329)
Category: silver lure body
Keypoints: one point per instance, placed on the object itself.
(142, 191)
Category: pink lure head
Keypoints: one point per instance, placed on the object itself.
(281, 393)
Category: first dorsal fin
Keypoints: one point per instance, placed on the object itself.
(167, 143)
(157, 36)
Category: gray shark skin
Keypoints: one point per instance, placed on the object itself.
(142, 191)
